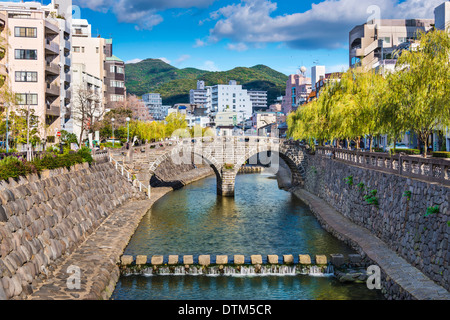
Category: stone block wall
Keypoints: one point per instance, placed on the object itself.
(399, 219)
(44, 219)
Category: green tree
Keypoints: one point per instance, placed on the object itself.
(425, 83)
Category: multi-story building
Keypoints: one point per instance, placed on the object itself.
(231, 98)
(93, 57)
(298, 88)
(199, 96)
(376, 40)
(261, 119)
(153, 102)
(37, 61)
(317, 74)
(258, 100)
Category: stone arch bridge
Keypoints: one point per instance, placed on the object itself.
(225, 155)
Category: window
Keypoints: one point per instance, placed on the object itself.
(26, 76)
(76, 49)
(27, 99)
(386, 40)
(116, 98)
(25, 32)
(82, 49)
(116, 69)
(117, 84)
(96, 50)
(23, 54)
(402, 40)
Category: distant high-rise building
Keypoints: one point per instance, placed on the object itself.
(442, 16)
(153, 102)
(199, 96)
(258, 100)
(231, 98)
(298, 88)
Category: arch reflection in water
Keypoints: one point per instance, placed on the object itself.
(261, 219)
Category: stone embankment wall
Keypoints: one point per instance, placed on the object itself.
(44, 219)
(400, 219)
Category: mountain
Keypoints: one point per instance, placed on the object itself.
(154, 75)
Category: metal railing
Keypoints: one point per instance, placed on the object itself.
(433, 170)
(121, 169)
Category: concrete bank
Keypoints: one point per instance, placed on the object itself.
(95, 261)
(400, 280)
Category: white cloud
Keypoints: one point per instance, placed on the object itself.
(182, 58)
(165, 60)
(325, 25)
(199, 43)
(143, 13)
(134, 61)
(237, 47)
(209, 65)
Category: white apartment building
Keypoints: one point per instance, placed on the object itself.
(199, 96)
(317, 74)
(231, 98)
(37, 61)
(258, 100)
(376, 40)
(153, 102)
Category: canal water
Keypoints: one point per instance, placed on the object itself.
(261, 219)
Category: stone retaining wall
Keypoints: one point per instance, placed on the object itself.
(399, 219)
(44, 219)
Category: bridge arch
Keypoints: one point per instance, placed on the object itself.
(227, 162)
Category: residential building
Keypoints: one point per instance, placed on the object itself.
(261, 119)
(377, 40)
(298, 88)
(199, 96)
(258, 100)
(275, 107)
(317, 73)
(114, 78)
(153, 102)
(231, 98)
(329, 77)
(226, 119)
(36, 60)
(442, 16)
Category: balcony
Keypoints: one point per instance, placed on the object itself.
(52, 89)
(2, 21)
(68, 78)
(68, 95)
(67, 61)
(52, 68)
(53, 109)
(51, 46)
(67, 45)
(51, 27)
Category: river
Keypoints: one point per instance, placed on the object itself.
(261, 219)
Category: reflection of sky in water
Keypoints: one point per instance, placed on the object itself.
(261, 219)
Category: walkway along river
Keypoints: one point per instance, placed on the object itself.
(261, 219)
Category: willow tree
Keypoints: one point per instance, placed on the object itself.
(425, 82)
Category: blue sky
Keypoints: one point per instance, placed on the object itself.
(219, 35)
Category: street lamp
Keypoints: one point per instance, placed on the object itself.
(128, 129)
(7, 129)
(112, 124)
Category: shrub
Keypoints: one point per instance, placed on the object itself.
(371, 198)
(12, 167)
(432, 210)
(441, 154)
(349, 180)
(117, 145)
(85, 153)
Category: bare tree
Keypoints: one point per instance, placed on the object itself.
(138, 108)
(87, 109)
